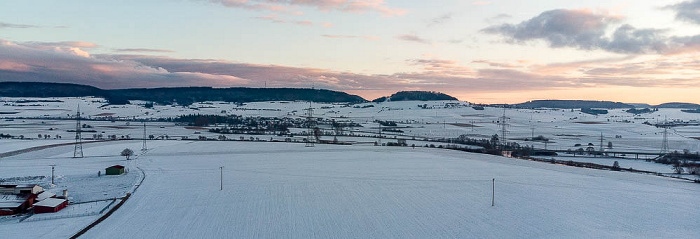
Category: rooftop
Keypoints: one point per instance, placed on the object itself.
(50, 202)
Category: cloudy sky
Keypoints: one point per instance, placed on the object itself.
(497, 51)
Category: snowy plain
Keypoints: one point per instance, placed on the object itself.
(285, 190)
(276, 190)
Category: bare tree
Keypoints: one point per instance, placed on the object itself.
(127, 152)
(678, 167)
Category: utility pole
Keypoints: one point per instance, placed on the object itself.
(53, 166)
(601, 142)
(144, 148)
(221, 187)
(493, 191)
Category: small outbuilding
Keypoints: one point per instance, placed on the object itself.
(115, 170)
(50, 205)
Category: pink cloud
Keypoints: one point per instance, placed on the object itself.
(354, 6)
(368, 37)
(30, 62)
(412, 38)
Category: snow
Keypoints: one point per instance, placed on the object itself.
(274, 190)
(286, 190)
(12, 200)
(50, 202)
(44, 195)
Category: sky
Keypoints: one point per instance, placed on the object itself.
(484, 51)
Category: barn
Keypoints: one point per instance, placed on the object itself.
(17, 198)
(15, 203)
(115, 170)
(50, 205)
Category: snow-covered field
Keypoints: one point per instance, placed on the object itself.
(273, 190)
(564, 128)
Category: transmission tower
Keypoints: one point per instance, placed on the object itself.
(309, 120)
(664, 143)
(78, 150)
(503, 124)
(380, 134)
(144, 148)
(601, 141)
(532, 128)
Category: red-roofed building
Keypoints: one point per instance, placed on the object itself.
(50, 205)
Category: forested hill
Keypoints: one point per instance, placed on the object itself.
(572, 104)
(180, 95)
(415, 95)
(188, 95)
(38, 89)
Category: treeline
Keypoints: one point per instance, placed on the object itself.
(179, 95)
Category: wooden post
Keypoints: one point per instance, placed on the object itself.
(221, 188)
(493, 191)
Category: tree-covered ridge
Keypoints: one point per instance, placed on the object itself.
(188, 95)
(180, 95)
(415, 95)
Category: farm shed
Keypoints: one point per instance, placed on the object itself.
(50, 205)
(115, 170)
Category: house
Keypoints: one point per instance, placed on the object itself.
(115, 170)
(50, 205)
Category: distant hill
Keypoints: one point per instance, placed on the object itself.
(39, 89)
(678, 105)
(188, 95)
(180, 95)
(572, 104)
(641, 105)
(415, 95)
